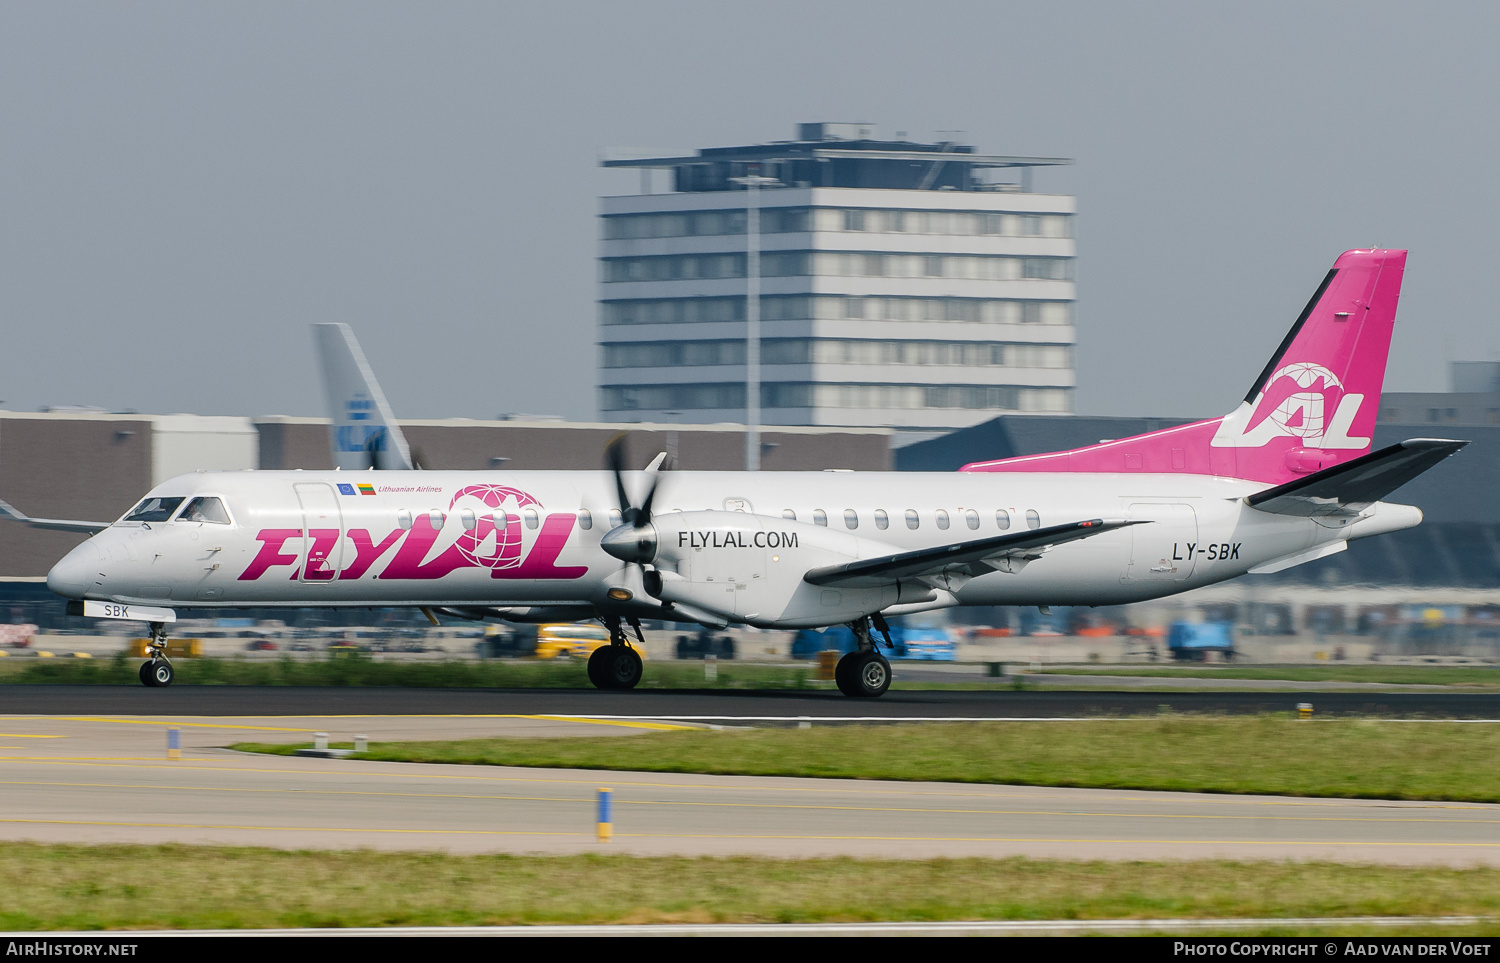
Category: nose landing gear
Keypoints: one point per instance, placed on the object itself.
(158, 671)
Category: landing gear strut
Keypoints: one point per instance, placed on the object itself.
(864, 673)
(158, 671)
(617, 665)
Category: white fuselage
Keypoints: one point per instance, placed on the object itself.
(430, 538)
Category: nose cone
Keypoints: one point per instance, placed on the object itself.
(630, 544)
(75, 573)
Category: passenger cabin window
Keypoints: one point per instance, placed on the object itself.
(971, 519)
(585, 519)
(615, 518)
(501, 520)
(851, 518)
(403, 518)
(820, 517)
(531, 517)
(467, 518)
(788, 514)
(1033, 520)
(942, 519)
(205, 509)
(153, 510)
(435, 518)
(882, 520)
(912, 519)
(1002, 520)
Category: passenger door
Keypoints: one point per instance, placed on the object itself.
(322, 532)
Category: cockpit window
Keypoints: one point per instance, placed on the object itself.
(205, 509)
(153, 510)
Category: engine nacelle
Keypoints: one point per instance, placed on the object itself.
(749, 568)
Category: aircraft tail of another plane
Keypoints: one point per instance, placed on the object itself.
(1313, 406)
(364, 431)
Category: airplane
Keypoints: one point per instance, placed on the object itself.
(363, 433)
(1287, 477)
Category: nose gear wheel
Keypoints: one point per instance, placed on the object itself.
(157, 672)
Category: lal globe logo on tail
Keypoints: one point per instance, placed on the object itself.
(1301, 400)
(1302, 412)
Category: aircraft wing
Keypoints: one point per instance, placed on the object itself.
(1346, 489)
(53, 524)
(962, 559)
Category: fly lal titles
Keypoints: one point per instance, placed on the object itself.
(736, 539)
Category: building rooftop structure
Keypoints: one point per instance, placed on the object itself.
(844, 155)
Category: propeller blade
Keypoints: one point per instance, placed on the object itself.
(644, 511)
(633, 541)
(614, 460)
(631, 514)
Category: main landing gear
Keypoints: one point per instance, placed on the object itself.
(864, 673)
(158, 671)
(617, 665)
(861, 674)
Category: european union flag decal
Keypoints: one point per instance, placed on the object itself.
(345, 489)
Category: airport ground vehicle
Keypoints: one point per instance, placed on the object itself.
(706, 643)
(506, 642)
(575, 640)
(1285, 478)
(918, 642)
(1193, 641)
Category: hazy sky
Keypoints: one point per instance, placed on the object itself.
(184, 188)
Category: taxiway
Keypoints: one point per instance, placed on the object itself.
(104, 778)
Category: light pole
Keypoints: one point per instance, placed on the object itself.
(753, 182)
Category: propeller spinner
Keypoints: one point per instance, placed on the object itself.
(634, 540)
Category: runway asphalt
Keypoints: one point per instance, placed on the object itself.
(97, 778)
(727, 705)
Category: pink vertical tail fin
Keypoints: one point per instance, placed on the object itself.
(1313, 406)
(1317, 399)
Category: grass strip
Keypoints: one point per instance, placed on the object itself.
(1266, 754)
(361, 670)
(57, 887)
(1391, 674)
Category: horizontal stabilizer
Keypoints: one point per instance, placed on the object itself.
(1346, 489)
(1299, 558)
(51, 524)
(965, 558)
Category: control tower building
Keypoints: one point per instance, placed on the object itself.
(920, 287)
